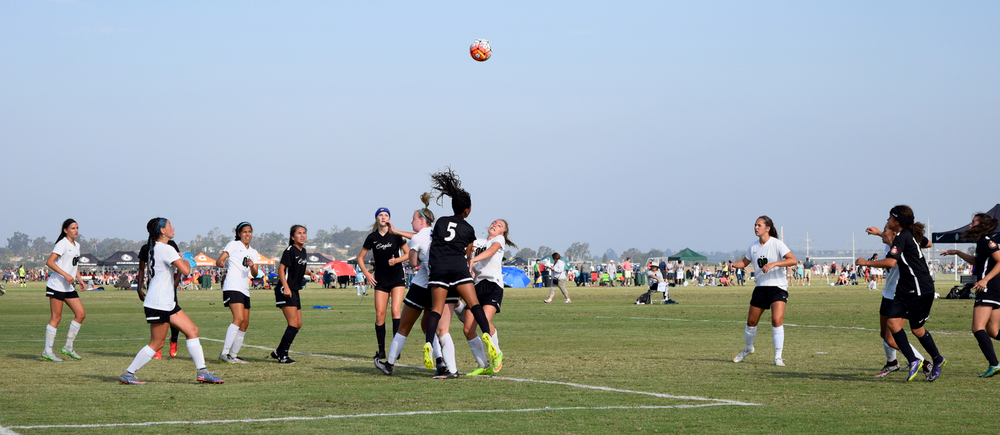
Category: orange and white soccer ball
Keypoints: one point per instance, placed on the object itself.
(480, 50)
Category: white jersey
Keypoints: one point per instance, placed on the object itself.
(161, 292)
(770, 252)
(891, 279)
(421, 243)
(69, 255)
(490, 269)
(238, 276)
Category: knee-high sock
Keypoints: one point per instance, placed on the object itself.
(237, 343)
(916, 352)
(197, 355)
(448, 349)
(395, 326)
(484, 323)
(432, 324)
(748, 335)
(174, 333)
(396, 347)
(904, 345)
(144, 356)
(74, 329)
(380, 336)
(779, 340)
(286, 340)
(230, 338)
(436, 348)
(50, 337)
(495, 339)
(986, 346)
(890, 353)
(928, 343)
(479, 352)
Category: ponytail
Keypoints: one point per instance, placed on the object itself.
(153, 227)
(448, 184)
(770, 225)
(425, 212)
(66, 224)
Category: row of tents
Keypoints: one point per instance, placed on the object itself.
(130, 260)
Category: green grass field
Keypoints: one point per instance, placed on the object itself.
(598, 365)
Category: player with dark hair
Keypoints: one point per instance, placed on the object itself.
(291, 271)
(771, 257)
(240, 261)
(61, 288)
(388, 279)
(914, 292)
(986, 267)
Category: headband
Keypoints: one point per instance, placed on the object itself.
(903, 220)
(381, 210)
(161, 223)
(241, 225)
(422, 215)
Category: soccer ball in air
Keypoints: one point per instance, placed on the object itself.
(480, 50)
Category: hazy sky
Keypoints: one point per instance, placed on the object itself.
(622, 124)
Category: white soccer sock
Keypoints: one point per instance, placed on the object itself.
(779, 340)
(396, 347)
(197, 355)
(748, 334)
(50, 338)
(144, 356)
(916, 352)
(436, 348)
(890, 353)
(230, 338)
(478, 352)
(448, 349)
(74, 328)
(496, 342)
(237, 343)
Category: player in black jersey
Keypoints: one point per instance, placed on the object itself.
(914, 292)
(286, 296)
(986, 267)
(451, 271)
(389, 279)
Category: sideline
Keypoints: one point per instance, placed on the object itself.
(857, 328)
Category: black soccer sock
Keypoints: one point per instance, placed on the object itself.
(432, 326)
(928, 343)
(395, 326)
(286, 340)
(986, 346)
(380, 336)
(484, 323)
(174, 333)
(904, 345)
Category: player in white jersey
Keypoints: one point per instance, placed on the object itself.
(241, 263)
(771, 257)
(61, 288)
(161, 308)
(487, 268)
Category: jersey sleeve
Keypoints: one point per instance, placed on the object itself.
(782, 250)
(991, 245)
(896, 251)
(286, 257)
(369, 245)
(60, 248)
(499, 240)
(254, 255)
(170, 256)
(229, 247)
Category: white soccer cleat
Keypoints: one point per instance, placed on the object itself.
(778, 362)
(743, 354)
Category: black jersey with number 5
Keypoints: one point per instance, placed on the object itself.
(449, 240)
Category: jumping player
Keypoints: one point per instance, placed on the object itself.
(161, 306)
(771, 257)
(61, 288)
(291, 271)
(487, 266)
(241, 261)
(389, 279)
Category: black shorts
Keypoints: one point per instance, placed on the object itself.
(489, 293)
(281, 301)
(764, 296)
(418, 297)
(883, 310)
(988, 298)
(235, 297)
(62, 296)
(449, 279)
(158, 316)
(912, 308)
(387, 288)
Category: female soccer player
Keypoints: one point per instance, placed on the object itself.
(914, 291)
(241, 261)
(61, 287)
(559, 278)
(389, 279)
(161, 305)
(451, 244)
(291, 271)
(487, 266)
(771, 257)
(986, 311)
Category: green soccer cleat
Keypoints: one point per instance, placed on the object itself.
(71, 353)
(496, 357)
(428, 361)
(992, 370)
(479, 371)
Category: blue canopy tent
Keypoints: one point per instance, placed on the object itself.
(514, 277)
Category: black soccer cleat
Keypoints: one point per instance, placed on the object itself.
(385, 367)
(284, 359)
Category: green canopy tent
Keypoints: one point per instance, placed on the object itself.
(686, 256)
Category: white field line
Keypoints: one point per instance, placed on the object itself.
(5, 431)
(393, 414)
(857, 328)
(77, 340)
